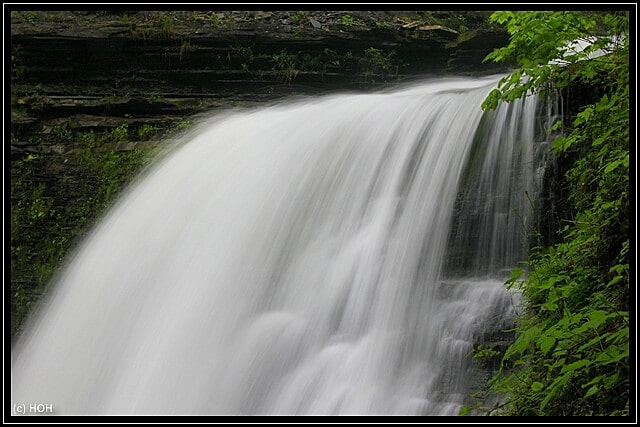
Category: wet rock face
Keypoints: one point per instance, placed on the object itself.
(101, 70)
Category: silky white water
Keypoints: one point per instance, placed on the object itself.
(291, 260)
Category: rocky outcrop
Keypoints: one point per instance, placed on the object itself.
(98, 70)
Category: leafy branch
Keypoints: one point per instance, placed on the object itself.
(571, 353)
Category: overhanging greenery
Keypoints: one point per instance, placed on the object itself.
(571, 354)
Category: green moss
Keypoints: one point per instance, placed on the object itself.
(146, 132)
(54, 201)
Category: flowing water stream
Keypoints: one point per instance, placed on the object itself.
(335, 255)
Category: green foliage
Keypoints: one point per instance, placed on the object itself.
(146, 132)
(485, 353)
(243, 54)
(542, 46)
(178, 127)
(167, 24)
(571, 354)
(464, 410)
(183, 124)
(158, 25)
(88, 139)
(29, 16)
(119, 134)
(215, 20)
(347, 20)
(377, 61)
(299, 17)
(285, 63)
(369, 62)
(54, 200)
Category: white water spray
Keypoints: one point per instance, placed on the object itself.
(291, 260)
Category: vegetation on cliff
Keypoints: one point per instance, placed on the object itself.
(571, 354)
(55, 199)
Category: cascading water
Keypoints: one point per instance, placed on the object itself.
(291, 260)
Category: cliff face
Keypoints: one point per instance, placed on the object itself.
(92, 70)
(91, 92)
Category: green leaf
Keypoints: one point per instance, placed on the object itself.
(611, 166)
(553, 389)
(491, 102)
(593, 390)
(523, 341)
(619, 268)
(558, 125)
(537, 386)
(595, 380)
(615, 280)
(609, 382)
(620, 336)
(598, 316)
(571, 367)
(583, 117)
(551, 282)
(591, 343)
(563, 143)
(549, 306)
(518, 362)
(546, 342)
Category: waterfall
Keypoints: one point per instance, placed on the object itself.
(336, 255)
